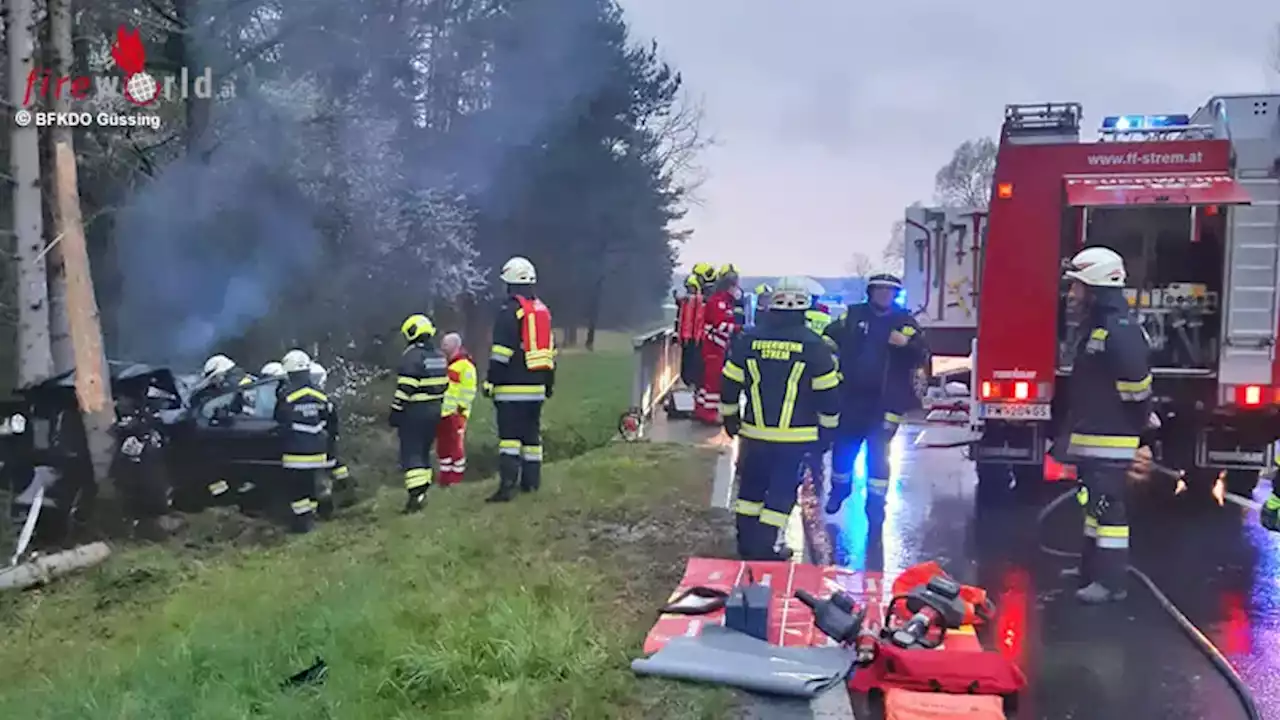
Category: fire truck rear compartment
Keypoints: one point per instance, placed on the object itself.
(1174, 257)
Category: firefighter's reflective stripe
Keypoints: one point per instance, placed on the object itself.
(789, 398)
(519, 393)
(531, 453)
(501, 354)
(218, 488)
(1082, 496)
(773, 518)
(734, 373)
(728, 409)
(411, 389)
(246, 380)
(1113, 537)
(1108, 447)
(415, 478)
(877, 486)
(830, 422)
(301, 507)
(1273, 503)
(509, 447)
(1134, 390)
(748, 508)
(757, 405)
(907, 330)
(826, 382)
(310, 461)
(300, 393)
(315, 429)
(1090, 526)
(781, 435)
(341, 472)
(892, 418)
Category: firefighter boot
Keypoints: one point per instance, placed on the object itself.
(508, 479)
(416, 501)
(531, 470)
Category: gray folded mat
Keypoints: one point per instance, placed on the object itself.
(727, 657)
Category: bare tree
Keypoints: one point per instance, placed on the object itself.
(965, 181)
(859, 265)
(35, 359)
(681, 140)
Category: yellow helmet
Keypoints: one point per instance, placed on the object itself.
(416, 327)
(728, 269)
(706, 272)
(692, 282)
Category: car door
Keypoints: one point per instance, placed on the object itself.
(236, 433)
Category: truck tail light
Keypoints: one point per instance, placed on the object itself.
(1016, 391)
(1249, 396)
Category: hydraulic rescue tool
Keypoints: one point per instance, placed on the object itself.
(838, 617)
(936, 606)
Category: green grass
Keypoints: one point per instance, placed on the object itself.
(527, 610)
(592, 391)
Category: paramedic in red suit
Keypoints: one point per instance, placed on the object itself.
(691, 303)
(521, 377)
(721, 325)
(451, 433)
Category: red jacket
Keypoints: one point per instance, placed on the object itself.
(689, 319)
(719, 320)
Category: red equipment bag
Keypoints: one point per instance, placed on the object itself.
(535, 334)
(960, 672)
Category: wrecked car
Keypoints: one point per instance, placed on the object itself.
(171, 452)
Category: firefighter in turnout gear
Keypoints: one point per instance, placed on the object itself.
(451, 437)
(721, 322)
(730, 271)
(221, 373)
(690, 306)
(338, 487)
(761, 313)
(1270, 514)
(421, 382)
(1108, 409)
(306, 419)
(789, 379)
(878, 346)
(521, 377)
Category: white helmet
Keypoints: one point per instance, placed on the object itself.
(318, 374)
(792, 293)
(1097, 267)
(519, 271)
(217, 365)
(272, 369)
(296, 361)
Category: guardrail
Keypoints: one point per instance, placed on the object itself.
(656, 372)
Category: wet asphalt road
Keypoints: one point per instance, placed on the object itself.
(1127, 660)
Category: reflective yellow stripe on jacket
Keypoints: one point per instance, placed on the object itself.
(411, 389)
(1103, 447)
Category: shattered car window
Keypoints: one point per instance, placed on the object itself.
(263, 403)
(222, 402)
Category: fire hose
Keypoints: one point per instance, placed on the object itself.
(1197, 637)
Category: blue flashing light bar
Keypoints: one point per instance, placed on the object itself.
(1122, 123)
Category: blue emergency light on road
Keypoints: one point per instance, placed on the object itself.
(1144, 122)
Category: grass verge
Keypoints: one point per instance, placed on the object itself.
(592, 391)
(529, 610)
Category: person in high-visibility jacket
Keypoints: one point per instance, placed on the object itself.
(306, 418)
(421, 383)
(689, 322)
(720, 325)
(451, 438)
(790, 381)
(817, 317)
(521, 377)
(1108, 403)
(879, 346)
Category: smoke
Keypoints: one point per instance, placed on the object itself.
(301, 195)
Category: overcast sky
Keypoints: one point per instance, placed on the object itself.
(833, 115)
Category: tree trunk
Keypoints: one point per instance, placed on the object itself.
(93, 385)
(60, 57)
(35, 357)
(593, 312)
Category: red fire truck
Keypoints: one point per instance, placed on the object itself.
(1192, 202)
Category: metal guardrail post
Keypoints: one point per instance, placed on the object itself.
(656, 371)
